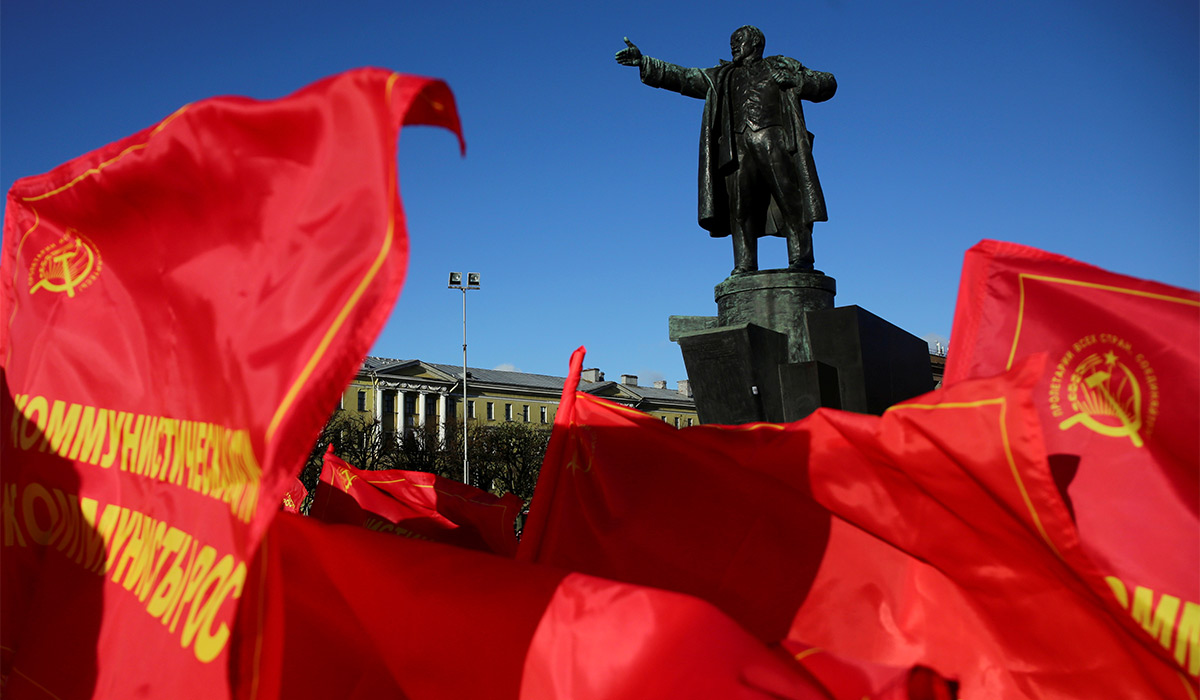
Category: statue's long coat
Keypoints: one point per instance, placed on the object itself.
(717, 142)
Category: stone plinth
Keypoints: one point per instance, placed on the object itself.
(878, 363)
(778, 349)
(777, 300)
(734, 373)
(807, 386)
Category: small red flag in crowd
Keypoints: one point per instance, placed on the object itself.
(416, 504)
(293, 497)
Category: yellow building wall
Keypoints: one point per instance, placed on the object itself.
(520, 403)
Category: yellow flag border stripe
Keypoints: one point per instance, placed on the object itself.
(352, 302)
(1021, 277)
(376, 482)
(96, 170)
(39, 686)
(610, 404)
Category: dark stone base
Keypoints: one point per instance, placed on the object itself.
(734, 373)
(878, 364)
(807, 386)
(778, 350)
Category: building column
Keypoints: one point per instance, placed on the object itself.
(377, 414)
(442, 417)
(421, 409)
(397, 415)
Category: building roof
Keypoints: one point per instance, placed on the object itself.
(499, 376)
(542, 382)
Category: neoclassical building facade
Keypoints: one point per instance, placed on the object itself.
(404, 394)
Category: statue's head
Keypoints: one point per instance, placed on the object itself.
(747, 42)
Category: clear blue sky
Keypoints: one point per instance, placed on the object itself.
(1070, 125)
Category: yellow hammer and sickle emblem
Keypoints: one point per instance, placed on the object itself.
(580, 459)
(1129, 427)
(73, 263)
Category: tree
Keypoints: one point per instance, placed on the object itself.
(507, 457)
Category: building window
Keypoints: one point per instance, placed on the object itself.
(491, 411)
(525, 414)
(508, 411)
(389, 403)
(471, 410)
(543, 414)
(362, 400)
(410, 410)
(676, 421)
(451, 409)
(689, 422)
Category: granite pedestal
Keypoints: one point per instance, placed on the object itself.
(778, 349)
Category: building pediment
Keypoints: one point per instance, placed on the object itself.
(408, 371)
(611, 390)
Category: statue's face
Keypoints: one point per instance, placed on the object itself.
(741, 44)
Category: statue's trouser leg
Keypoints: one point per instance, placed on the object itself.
(745, 250)
(784, 185)
(741, 187)
(800, 247)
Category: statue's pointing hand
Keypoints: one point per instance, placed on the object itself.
(630, 55)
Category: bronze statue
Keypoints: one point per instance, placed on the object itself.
(757, 176)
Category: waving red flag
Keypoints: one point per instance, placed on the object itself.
(182, 308)
(416, 504)
(723, 513)
(1119, 402)
(944, 541)
(623, 495)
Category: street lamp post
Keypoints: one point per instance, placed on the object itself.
(456, 282)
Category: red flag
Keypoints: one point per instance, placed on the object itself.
(958, 479)
(293, 497)
(369, 615)
(623, 495)
(183, 308)
(723, 513)
(416, 504)
(1120, 405)
(969, 492)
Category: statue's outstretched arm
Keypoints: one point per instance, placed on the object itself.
(660, 74)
